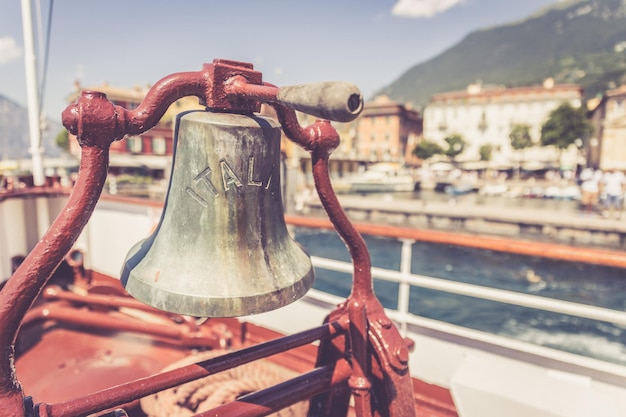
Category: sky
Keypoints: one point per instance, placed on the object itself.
(129, 43)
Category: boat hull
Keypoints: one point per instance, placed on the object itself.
(379, 187)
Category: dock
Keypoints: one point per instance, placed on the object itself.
(576, 229)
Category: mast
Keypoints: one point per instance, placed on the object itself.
(34, 116)
(32, 91)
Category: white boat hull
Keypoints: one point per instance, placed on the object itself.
(383, 177)
(380, 187)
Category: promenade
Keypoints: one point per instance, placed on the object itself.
(558, 226)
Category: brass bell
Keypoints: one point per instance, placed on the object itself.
(221, 248)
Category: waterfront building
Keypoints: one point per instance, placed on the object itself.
(344, 161)
(596, 108)
(149, 153)
(387, 131)
(485, 115)
(609, 141)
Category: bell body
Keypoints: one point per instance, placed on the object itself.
(221, 248)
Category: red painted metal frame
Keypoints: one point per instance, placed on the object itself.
(361, 351)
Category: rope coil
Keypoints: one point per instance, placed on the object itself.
(214, 390)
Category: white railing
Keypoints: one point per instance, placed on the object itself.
(405, 280)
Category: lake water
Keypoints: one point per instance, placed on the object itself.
(582, 283)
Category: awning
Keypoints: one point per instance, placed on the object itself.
(48, 163)
(474, 165)
(501, 166)
(537, 165)
(137, 161)
(441, 166)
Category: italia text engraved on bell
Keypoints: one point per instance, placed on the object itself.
(204, 178)
(251, 179)
(196, 197)
(228, 176)
(203, 187)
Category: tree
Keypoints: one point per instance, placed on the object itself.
(426, 149)
(62, 140)
(456, 145)
(520, 137)
(520, 140)
(485, 152)
(564, 125)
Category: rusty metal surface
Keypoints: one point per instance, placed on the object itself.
(22, 288)
(71, 362)
(361, 350)
(124, 393)
(302, 387)
(372, 339)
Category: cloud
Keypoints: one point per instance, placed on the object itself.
(422, 8)
(9, 51)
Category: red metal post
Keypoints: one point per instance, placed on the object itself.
(373, 339)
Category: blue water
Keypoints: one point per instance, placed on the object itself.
(582, 283)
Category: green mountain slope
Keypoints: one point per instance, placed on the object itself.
(581, 41)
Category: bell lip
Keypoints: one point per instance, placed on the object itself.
(203, 306)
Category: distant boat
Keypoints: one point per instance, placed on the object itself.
(570, 192)
(459, 189)
(383, 177)
(493, 189)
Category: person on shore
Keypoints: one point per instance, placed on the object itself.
(613, 186)
(589, 189)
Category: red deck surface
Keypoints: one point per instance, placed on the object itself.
(57, 361)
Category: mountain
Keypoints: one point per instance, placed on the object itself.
(14, 132)
(577, 41)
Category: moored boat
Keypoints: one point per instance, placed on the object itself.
(383, 177)
(459, 189)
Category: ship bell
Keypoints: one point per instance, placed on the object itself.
(221, 247)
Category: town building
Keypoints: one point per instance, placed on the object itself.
(149, 153)
(344, 161)
(387, 131)
(607, 148)
(485, 115)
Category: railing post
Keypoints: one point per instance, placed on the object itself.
(404, 289)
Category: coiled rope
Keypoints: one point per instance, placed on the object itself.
(214, 390)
